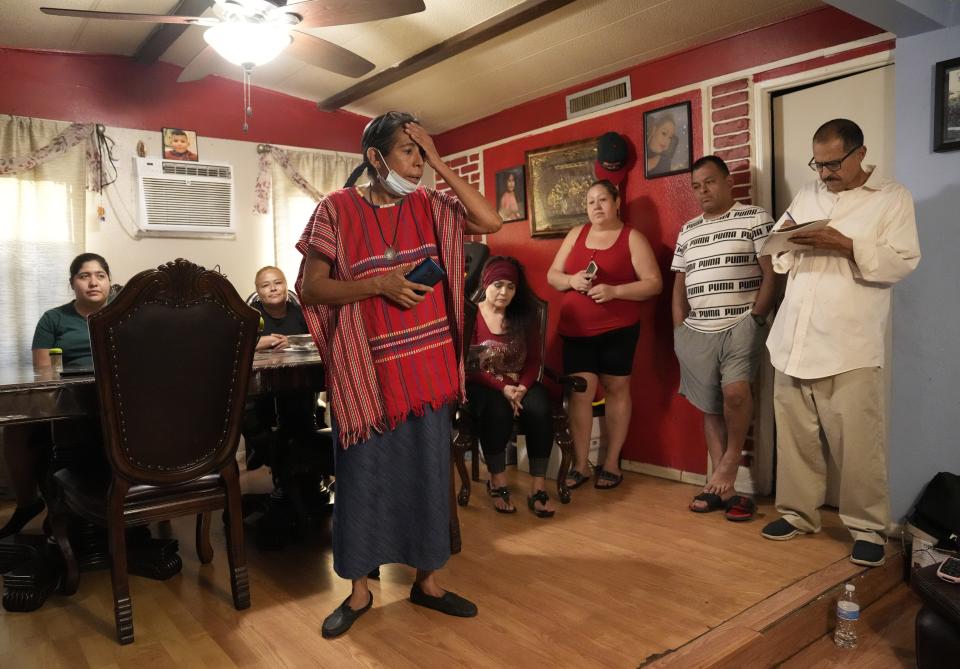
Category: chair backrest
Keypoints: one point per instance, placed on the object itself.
(475, 254)
(173, 355)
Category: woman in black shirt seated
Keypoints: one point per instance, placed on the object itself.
(281, 315)
(271, 420)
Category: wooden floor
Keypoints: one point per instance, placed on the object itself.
(615, 578)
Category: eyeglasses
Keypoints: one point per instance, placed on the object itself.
(832, 165)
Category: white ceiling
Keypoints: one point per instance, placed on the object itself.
(579, 42)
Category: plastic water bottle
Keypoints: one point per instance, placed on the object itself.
(848, 612)
(56, 359)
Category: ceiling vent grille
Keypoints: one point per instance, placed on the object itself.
(606, 95)
(180, 199)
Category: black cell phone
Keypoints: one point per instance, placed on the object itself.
(428, 272)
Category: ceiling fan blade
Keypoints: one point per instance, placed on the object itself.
(202, 65)
(319, 13)
(329, 56)
(125, 16)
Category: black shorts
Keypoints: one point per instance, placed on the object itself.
(609, 353)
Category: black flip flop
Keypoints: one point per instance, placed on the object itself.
(713, 502)
(542, 497)
(504, 494)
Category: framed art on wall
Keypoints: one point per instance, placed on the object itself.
(667, 146)
(946, 110)
(560, 177)
(511, 194)
(180, 144)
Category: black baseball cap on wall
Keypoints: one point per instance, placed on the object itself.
(611, 157)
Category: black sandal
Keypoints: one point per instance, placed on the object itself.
(504, 494)
(542, 497)
(603, 476)
(578, 479)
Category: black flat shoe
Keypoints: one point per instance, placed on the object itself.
(21, 516)
(342, 618)
(451, 603)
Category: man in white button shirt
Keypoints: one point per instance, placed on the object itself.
(827, 341)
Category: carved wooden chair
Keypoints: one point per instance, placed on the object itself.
(173, 355)
(465, 438)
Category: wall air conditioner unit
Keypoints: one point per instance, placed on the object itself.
(184, 199)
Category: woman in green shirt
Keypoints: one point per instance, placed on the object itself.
(64, 327)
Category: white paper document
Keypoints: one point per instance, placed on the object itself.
(779, 241)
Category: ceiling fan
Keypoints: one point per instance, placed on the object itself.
(252, 32)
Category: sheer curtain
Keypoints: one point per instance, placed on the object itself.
(292, 207)
(42, 227)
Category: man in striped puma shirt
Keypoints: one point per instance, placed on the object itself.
(721, 296)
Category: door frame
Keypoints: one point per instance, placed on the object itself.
(763, 92)
(762, 109)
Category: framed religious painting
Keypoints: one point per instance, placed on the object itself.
(559, 178)
(667, 145)
(511, 194)
(946, 110)
(180, 144)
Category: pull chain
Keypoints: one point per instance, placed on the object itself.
(247, 95)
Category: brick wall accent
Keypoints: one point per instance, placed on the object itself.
(730, 139)
(468, 166)
(730, 132)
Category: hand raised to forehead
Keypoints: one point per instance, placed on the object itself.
(417, 133)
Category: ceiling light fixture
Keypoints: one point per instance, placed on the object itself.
(248, 45)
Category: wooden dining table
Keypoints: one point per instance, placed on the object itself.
(29, 396)
(28, 563)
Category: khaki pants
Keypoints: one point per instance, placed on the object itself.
(849, 408)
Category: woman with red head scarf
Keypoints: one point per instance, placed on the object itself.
(502, 382)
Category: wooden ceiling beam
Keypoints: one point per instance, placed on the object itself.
(166, 34)
(514, 17)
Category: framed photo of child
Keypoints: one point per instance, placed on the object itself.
(511, 194)
(180, 144)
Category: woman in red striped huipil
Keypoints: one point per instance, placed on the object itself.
(392, 349)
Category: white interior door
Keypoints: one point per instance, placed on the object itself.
(866, 98)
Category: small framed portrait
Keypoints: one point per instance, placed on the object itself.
(511, 194)
(560, 177)
(946, 110)
(180, 144)
(667, 146)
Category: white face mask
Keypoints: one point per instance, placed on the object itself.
(395, 183)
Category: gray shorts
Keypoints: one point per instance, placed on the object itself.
(711, 360)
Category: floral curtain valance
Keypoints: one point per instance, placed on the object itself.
(75, 134)
(272, 154)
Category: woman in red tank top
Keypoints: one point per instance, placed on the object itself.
(605, 269)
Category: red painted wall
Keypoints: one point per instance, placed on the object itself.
(658, 208)
(665, 430)
(119, 91)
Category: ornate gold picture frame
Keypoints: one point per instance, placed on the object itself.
(559, 178)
